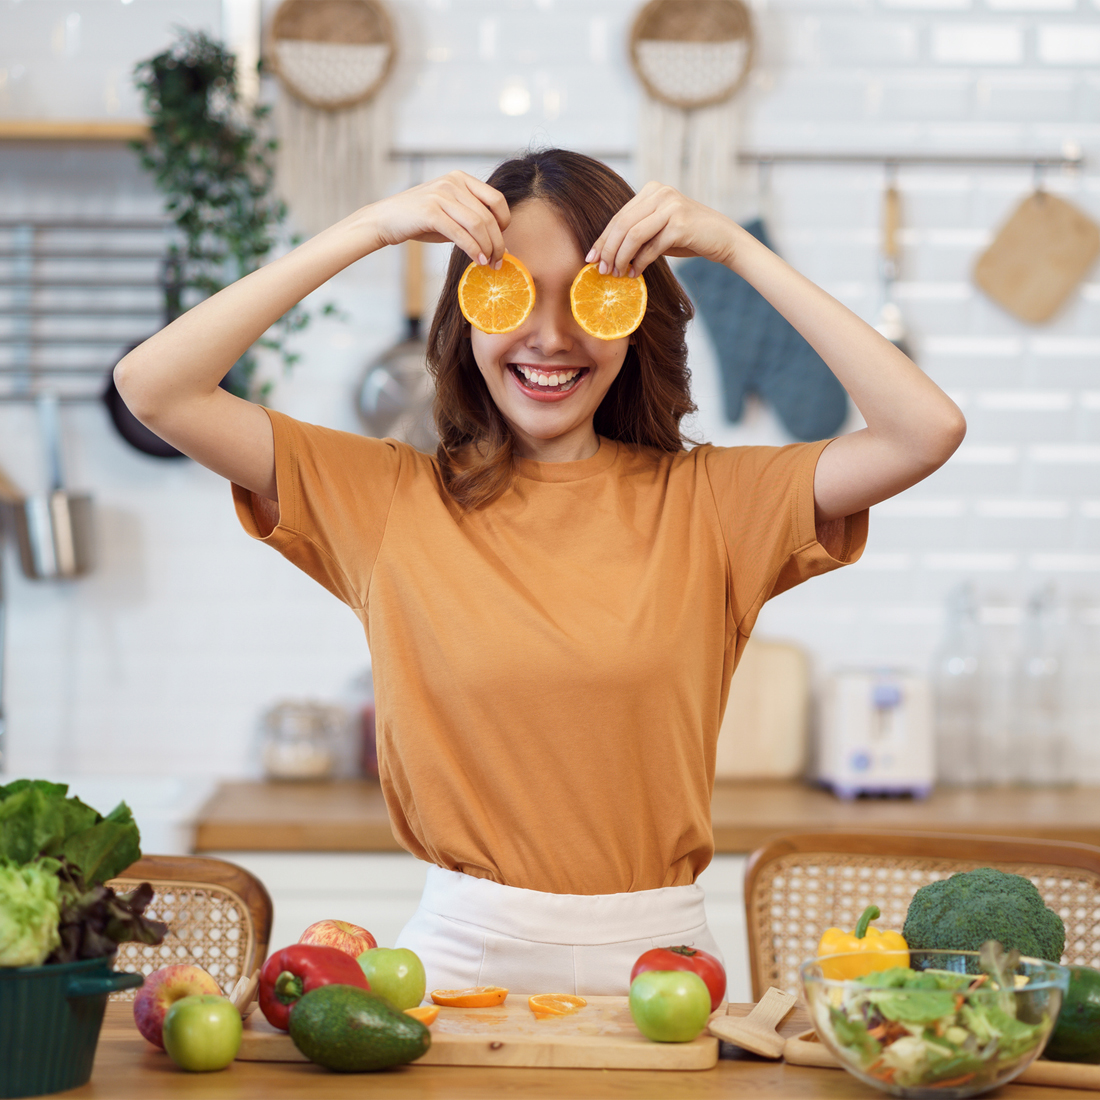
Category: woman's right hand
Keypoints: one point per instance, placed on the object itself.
(455, 208)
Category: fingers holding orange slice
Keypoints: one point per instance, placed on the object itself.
(478, 996)
(544, 1005)
(496, 301)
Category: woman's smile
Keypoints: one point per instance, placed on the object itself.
(547, 382)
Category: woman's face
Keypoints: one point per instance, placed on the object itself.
(551, 423)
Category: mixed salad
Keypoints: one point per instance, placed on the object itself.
(934, 1028)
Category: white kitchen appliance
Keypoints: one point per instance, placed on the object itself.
(876, 734)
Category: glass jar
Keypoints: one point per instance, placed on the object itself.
(300, 740)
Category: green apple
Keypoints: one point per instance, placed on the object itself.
(669, 1006)
(396, 973)
(202, 1032)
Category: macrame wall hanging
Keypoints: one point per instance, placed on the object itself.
(692, 57)
(332, 58)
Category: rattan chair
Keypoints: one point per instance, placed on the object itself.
(218, 915)
(798, 885)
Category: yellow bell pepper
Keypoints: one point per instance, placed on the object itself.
(862, 951)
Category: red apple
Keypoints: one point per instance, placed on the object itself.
(349, 938)
(161, 990)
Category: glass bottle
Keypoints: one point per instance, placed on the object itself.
(1041, 733)
(1082, 694)
(955, 685)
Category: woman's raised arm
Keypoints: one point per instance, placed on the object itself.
(171, 381)
(913, 427)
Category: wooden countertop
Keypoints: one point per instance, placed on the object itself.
(129, 1068)
(350, 816)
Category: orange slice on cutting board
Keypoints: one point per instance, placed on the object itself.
(554, 1004)
(608, 307)
(426, 1014)
(496, 301)
(478, 996)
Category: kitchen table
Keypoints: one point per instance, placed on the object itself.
(350, 816)
(128, 1068)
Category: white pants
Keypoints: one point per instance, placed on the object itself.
(471, 931)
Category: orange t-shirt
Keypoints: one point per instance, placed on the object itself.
(551, 670)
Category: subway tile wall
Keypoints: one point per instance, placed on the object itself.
(164, 658)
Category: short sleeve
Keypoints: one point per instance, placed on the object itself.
(765, 502)
(335, 491)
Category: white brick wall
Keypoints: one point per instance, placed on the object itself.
(187, 630)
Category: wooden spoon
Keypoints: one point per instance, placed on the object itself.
(244, 992)
(757, 1031)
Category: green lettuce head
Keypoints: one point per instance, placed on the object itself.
(29, 913)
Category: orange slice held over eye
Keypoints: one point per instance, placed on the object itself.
(478, 996)
(608, 307)
(544, 1005)
(496, 301)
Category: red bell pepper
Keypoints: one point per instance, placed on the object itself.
(291, 973)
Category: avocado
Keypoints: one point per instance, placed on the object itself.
(352, 1030)
(1076, 1036)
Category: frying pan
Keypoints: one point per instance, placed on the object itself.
(126, 424)
(395, 394)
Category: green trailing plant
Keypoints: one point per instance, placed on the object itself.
(209, 154)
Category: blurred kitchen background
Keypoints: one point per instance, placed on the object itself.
(976, 607)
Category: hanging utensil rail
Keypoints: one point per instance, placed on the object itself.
(1073, 159)
(72, 285)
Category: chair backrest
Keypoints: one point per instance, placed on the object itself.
(799, 884)
(218, 916)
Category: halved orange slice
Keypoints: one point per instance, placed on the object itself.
(608, 307)
(479, 996)
(496, 301)
(426, 1014)
(555, 1004)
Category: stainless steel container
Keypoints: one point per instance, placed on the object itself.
(53, 529)
(54, 533)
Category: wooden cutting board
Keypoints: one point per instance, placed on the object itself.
(806, 1050)
(601, 1035)
(765, 729)
(1037, 258)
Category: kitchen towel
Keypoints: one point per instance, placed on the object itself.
(471, 931)
(759, 351)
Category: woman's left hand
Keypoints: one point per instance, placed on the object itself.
(659, 221)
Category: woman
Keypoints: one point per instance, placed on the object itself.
(554, 603)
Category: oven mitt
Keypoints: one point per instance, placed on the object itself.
(759, 351)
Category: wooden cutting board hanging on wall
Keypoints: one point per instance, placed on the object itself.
(765, 731)
(1039, 256)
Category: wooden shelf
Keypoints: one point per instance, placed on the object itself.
(350, 816)
(51, 129)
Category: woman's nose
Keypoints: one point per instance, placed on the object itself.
(550, 329)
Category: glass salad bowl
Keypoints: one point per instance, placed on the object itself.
(952, 1024)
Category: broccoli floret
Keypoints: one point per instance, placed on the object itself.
(961, 912)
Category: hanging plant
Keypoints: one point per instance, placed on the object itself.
(209, 155)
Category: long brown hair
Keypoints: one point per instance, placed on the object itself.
(650, 395)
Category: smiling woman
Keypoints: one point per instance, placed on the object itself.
(556, 600)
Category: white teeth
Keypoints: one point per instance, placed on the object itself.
(538, 379)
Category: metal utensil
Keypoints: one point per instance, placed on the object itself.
(889, 321)
(395, 395)
(53, 529)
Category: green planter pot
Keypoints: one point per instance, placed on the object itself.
(50, 1018)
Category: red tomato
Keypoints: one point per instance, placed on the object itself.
(685, 958)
